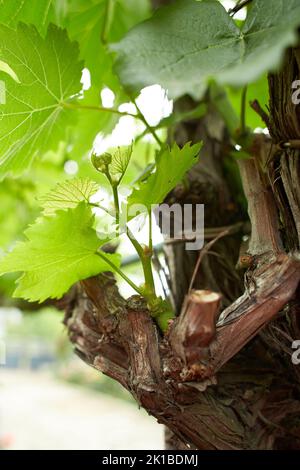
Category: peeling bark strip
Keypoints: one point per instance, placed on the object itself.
(261, 208)
(218, 380)
(276, 284)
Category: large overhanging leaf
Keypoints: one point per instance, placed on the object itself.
(33, 119)
(185, 44)
(270, 28)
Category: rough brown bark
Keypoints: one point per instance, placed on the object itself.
(121, 340)
(217, 380)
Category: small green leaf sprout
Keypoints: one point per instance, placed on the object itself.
(101, 162)
(113, 165)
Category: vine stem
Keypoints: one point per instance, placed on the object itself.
(120, 272)
(146, 262)
(108, 17)
(116, 203)
(150, 128)
(243, 109)
(99, 206)
(144, 256)
(138, 116)
(100, 108)
(139, 249)
(150, 242)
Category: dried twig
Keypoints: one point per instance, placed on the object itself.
(261, 112)
(241, 4)
(202, 253)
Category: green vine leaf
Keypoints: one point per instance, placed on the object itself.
(120, 161)
(33, 119)
(271, 26)
(68, 195)
(58, 252)
(171, 167)
(113, 164)
(189, 42)
(37, 12)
